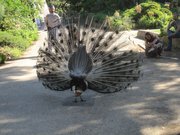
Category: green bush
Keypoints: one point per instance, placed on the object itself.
(100, 16)
(153, 15)
(167, 16)
(28, 35)
(11, 52)
(17, 29)
(2, 58)
(118, 22)
(13, 43)
(13, 17)
(7, 39)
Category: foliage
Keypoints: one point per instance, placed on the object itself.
(2, 58)
(153, 15)
(27, 35)
(10, 53)
(7, 39)
(100, 16)
(92, 6)
(61, 6)
(2, 10)
(18, 14)
(13, 43)
(167, 17)
(118, 22)
(17, 29)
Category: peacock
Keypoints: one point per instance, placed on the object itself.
(87, 55)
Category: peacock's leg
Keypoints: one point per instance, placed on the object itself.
(75, 99)
(82, 100)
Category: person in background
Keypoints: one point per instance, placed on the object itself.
(53, 22)
(153, 45)
(173, 31)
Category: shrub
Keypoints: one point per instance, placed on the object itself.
(11, 53)
(17, 29)
(121, 23)
(118, 22)
(7, 39)
(153, 15)
(100, 16)
(2, 58)
(13, 43)
(167, 16)
(28, 35)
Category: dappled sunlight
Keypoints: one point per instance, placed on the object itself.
(5, 120)
(149, 106)
(155, 105)
(6, 131)
(169, 129)
(24, 77)
(171, 63)
(129, 106)
(145, 111)
(69, 129)
(168, 66)
(94, 122)
(73, 128)
(153, 116)
(138, 111)
(168, 86)
(152, 98)
(149, 116)
(17, 73)
(4, 83)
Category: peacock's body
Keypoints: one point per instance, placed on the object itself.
(87, 56)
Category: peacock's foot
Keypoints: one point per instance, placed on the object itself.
(75, 100)
(82, 100)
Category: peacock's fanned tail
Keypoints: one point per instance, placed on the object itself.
(85, 48)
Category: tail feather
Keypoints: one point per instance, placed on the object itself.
(86, 49)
